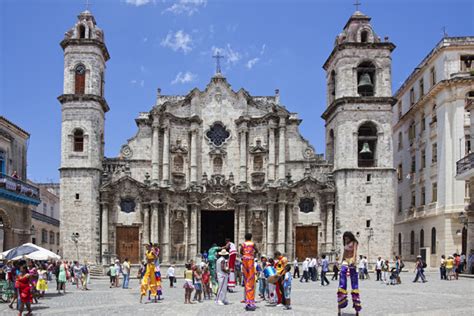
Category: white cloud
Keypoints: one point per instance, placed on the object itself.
(184, 77)
(141, 83)
(231, 56)
(137, 3)
(145, 39)
(262, 51)
(178, 41)
(252, 62)
(188, 7)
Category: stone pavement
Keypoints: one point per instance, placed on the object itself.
(433, 298)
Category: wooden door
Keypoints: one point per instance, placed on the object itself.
(306, 242)
(128, 244)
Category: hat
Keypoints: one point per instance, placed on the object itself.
(418, 256)
(223, 252)
(263, 256)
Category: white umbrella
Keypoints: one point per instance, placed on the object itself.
(30, 253)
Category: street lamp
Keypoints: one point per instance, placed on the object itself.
(75, 239)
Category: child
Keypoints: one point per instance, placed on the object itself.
(188, 284)
(287, 287)
(112, 274)
(206, 277)
(385, 269)
(393, 276)
(198, 284)
(42, 285)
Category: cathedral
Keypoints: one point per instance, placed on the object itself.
(216, 163)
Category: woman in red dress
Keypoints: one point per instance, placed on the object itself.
(24, 287)
(248, 251)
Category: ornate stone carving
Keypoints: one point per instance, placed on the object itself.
(126, 152)
(308, 153)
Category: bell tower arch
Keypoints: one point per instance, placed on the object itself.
(359, 134)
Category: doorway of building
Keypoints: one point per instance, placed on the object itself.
(216, 226)
(306, 242)
(128, 243)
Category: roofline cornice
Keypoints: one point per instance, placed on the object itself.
(360, 100)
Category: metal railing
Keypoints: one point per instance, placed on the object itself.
(465, 164)
(18, 186)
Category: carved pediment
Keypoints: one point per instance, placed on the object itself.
(258, 148)
(179, 148)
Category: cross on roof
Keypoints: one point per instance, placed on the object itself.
(445, 34)
(357, 4)
(88, 4)
(218, 57)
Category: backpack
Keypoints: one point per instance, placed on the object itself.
(424, 265)
(402, 265)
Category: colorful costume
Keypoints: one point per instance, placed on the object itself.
(24, 287)
(248, 267)
(158, 277)
(342, 291)
(232, 257)
(280, 264)
(42, 285)
(211, 257)
(149, 279)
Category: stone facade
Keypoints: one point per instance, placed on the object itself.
(359, 136)
(431, 132)
(218, 163)
(17, 197)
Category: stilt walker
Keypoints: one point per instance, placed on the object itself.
(149, 279)
(248, 251)
(349, 264)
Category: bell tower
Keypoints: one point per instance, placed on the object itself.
(359, 136)
(83, 110)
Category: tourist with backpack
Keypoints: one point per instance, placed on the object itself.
(419, 269)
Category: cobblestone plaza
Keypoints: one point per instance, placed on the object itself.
(433, 298)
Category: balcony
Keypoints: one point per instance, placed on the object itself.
(465, 167)
(19, 191)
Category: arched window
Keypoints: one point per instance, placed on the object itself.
(217, 165)
(330, 147)
(82, 31)
(178, 164)
(412, 243)
(366, 79)
(364, 36)
(332, 86)
(366, 145)
(433, 240)
(80, 79)
(399, 244)
(258, 163)
(78, 145)
(422, 238)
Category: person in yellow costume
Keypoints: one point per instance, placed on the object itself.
(149, 279)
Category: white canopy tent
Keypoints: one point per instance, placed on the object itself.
(29, 251)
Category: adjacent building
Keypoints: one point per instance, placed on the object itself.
(45, 218)
(218, 162)
(431, 131)
(18, 198)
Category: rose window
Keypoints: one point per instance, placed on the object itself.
(217, 134)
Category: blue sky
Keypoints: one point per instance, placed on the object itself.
(168, 44)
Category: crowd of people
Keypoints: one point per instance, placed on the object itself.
(28, 280)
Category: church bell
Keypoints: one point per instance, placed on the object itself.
(365, 83)
(366, 149)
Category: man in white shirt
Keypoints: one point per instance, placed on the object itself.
(312, 269)
(171, 276)
(305, 270)
(361, 267)
(296, 269)
(378, 268)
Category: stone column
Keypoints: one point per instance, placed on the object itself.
(155, 153)
(329, 227)
(282, 149)
(165, 243)
(186, 235)
(146, 223)
(193, 232)
(154, 222)
(242, 220)
(290, 235)
(105, 233)
(236, 223)
(166, 156)
(243, 154)
(271, 152)
(280, 244)
(194, 155)
(270, 229)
